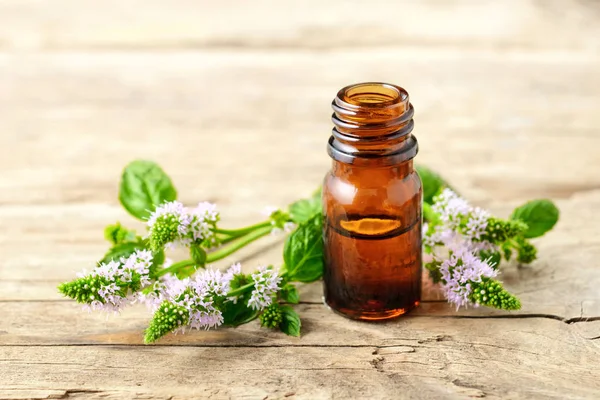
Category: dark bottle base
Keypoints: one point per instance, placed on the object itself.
(372, 272)
(382, 315)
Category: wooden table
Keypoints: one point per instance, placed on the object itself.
(232, 99)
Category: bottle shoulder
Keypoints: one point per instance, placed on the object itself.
(366, 182)
(347, 189)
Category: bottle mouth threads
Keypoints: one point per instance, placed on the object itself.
(372, 95)
(372, 121)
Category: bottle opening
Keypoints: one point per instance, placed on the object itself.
(372, 94)
(372, 121)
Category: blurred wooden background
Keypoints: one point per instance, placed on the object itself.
(233, 98)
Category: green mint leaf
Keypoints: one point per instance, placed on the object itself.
(122, 250)
(318, 194)
(432, 183)
(198, 254)
(303, 251)
(144, 185)
(434, 271)
(158, 259)
(186, 272)
(539, 215)
(290, 325)
(429, 215)
(303, 210)
(238, 313)
(289, 294)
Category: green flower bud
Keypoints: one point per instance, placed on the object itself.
(527, 252)
(499, 230)
(168, 318)
(506, 251)
(164, 230)
(279, 218)
(490, 293)
(84, 290)
(117, 234)
(271, 316)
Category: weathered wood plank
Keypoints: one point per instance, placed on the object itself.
(36, 324)
(172, 108)
(426, 358)
(313, 24)
(236, 106)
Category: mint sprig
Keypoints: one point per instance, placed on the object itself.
(144, 187)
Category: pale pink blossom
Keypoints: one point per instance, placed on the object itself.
(266, 284)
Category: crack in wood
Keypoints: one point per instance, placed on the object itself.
(67, 393)
(377, 363)
(506, 316)
(437, 338)
(581, 319)
(477, 390)
(204, 345)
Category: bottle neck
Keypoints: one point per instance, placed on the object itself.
(372, 173)
(373, 125)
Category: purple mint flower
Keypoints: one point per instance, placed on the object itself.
(450, 207)
(172, 219)
(266, 284)
(115, 294)
(196, 295)
(478, 220)
(458, 271)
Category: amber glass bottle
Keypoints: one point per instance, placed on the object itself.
(372, 205)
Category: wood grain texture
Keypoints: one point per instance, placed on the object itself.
(310, 24)
(232, 99)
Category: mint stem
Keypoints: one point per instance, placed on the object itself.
(223, 251)
(238, 244)
(176, 267)
(240, 290)
(243, 231)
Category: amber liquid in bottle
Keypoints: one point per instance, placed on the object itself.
(372, 205)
